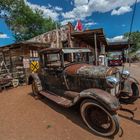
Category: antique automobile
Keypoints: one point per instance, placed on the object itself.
(67, 77)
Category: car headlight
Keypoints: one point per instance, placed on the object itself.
(112, 81)
(125, 74)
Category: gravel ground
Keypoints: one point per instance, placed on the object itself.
(24, 118)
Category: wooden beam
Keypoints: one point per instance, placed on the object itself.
(96, 52)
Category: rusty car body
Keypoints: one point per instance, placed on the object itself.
(67, 78)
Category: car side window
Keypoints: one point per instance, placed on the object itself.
(52, 60)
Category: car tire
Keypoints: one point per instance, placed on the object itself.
(35, 89)
(135, 93)
(95, 116)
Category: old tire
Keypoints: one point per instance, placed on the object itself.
(35, 89)
(133, 97)
(99, 119)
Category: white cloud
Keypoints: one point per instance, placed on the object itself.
(122, 10)
(91, 23)
(50, 6)
(117, 39)
(79, 12)
(58, 8)
(123, 25)
(64, 22)
(80, 2)
(71, 3)
(4, 36)
(48, 11)
(85, 8)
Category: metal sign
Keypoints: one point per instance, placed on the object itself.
(34, 59)
(34, 66)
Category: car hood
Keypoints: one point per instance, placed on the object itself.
(89, 70)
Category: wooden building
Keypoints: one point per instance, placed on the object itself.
(18, 57)
(22, 58)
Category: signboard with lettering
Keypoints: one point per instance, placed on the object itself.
(26, 63)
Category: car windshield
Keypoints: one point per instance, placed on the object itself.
(52, 60)
(76, 55)
(115, 56)
(65, 56)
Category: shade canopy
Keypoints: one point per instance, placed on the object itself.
(88, 36)
(118, 46)
(65, 50)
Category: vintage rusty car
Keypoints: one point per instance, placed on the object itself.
(68, 77)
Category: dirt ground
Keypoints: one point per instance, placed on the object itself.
(24, 118)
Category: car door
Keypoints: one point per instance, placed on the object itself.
(51, 71)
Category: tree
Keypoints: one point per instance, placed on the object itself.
(135, 39)
(23, 21)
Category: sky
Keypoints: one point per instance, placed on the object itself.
(114, 16)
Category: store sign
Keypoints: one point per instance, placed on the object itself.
(26, 63)
(34, 59)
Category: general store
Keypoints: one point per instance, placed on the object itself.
(22, 58)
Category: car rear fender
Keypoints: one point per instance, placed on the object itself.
(35, 78)
(106, 99)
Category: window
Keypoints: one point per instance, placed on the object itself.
(33, 53)
(52, 60)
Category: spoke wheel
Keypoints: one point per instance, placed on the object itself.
(98, 119)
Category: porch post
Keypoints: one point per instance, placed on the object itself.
(96, 52)
(129, 55)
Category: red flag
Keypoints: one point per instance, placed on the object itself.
(79, 26)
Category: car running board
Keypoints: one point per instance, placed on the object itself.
(57, 99)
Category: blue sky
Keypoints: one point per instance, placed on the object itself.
(114, 16)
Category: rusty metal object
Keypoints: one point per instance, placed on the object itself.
(90, 70)
(129, 111)
(126, 87)
(77, 77)
(72, 70)
(58, 99)
(129, 92)
(111, 71)
(76, 83)
(5, 82)
(35, 78)
(103, 97)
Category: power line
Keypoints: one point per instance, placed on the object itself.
(131, 26)
(132, 20)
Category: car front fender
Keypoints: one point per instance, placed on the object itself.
(106, 99)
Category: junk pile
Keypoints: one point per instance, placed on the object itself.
(6, 78)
